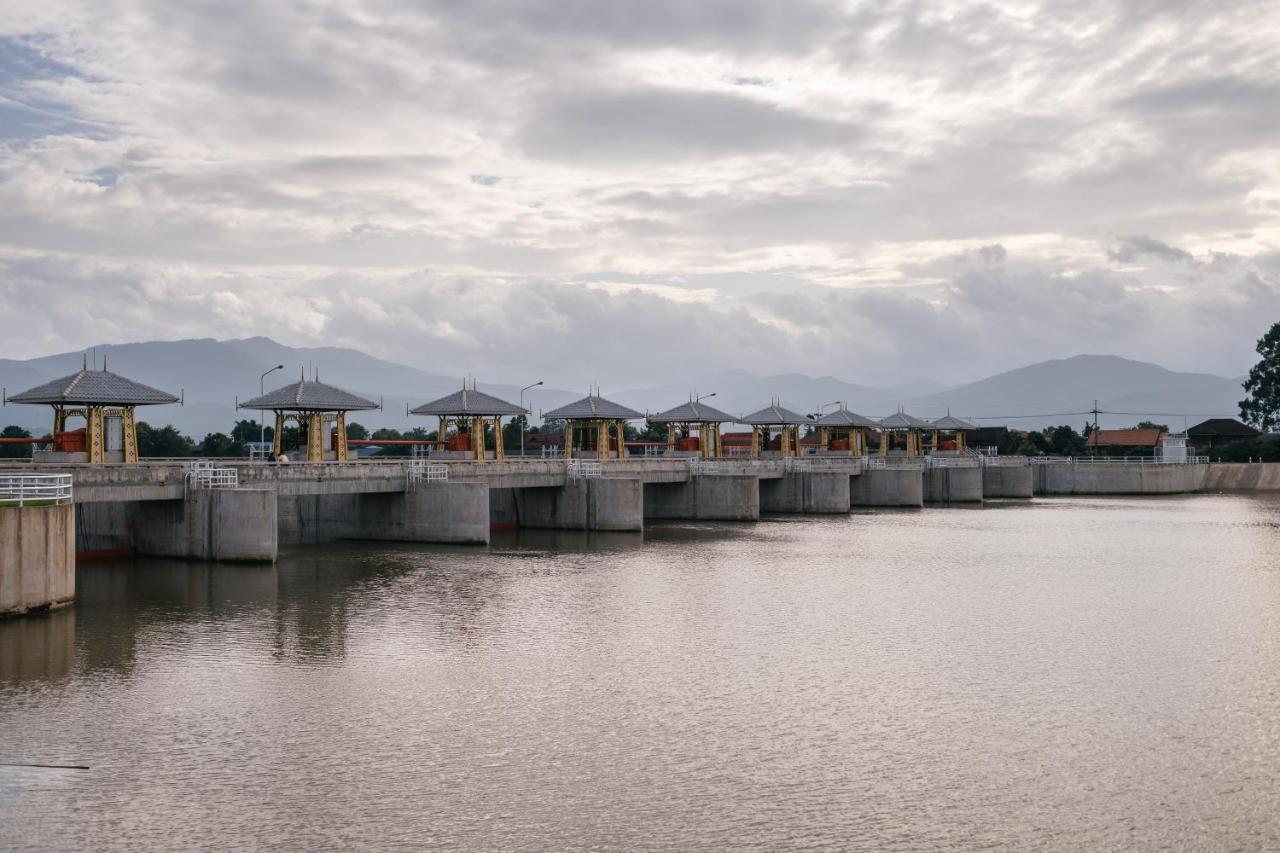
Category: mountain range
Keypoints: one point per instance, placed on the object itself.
(212, 375)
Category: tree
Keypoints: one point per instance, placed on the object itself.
(14, 451)
(246, 431)
(219, 444)
(165, 442)
(356, 431)
(1152, 425)
(511, 431)
(1261, 408)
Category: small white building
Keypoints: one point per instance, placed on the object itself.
(1173, 447)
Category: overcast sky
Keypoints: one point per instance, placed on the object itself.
(616, 191)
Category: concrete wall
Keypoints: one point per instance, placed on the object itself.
(887, 487)
(594, 503)
(447, 512)
(711, 497)
(209, 524)
(1242, 477)
(1117, 479)
(37, 557)
(946, 485)
(809, 492)
(1006, 481)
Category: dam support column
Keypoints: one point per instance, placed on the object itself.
(37, 558)
(806, 492)
(443, 512)
(588, 503)
(953, 484)
(888, 487)
(1007, 480)
(209, 524)
(709, 497)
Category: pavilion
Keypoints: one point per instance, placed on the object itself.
(843, 430)
(787, 423)
(594, 424)
(688, 418)
(311, 404)
(912, 428)
(107, 402)
(470, 411)
(953, 425)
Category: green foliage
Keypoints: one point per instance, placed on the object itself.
(356, 431)
(511, 431)
(220, 444)
(15, 451)
(246, 431)
(1264, 448)
(1152, 425)
(1261, 408)
(164, 442)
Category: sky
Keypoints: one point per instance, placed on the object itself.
(623, 192)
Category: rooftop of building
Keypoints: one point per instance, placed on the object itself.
(94, 388)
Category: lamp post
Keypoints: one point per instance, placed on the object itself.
(261, 391)
(524, 426)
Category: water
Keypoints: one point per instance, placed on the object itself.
(1063, 675)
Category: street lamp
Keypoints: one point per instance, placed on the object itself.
(525, 425)
(832, 403)
(703, 397)
(261, 391)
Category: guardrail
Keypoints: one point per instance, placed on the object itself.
(1117, 460)
(23, 489)
(580, 468)
(698, 466)
(951, 462)
(203, 475)
(421, 471)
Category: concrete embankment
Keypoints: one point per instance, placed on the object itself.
(1066, 478)
(718, 497)
(817, 492)
(888, 487)
(37, 557)
(1007, 481)
(953, 484)
(1243, 477)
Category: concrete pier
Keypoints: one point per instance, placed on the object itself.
(1007, 480)
(456, 513)
(209, 524)
(817, 492)
(712, 497)
(594, 503)
(953, 484)
(37, 558)
(889, 487)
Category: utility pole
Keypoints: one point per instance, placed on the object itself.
(524, 421)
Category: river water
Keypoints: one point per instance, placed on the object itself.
(1098, 674)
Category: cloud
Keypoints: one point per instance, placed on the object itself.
(903, 189)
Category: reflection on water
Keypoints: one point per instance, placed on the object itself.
(1062, 674)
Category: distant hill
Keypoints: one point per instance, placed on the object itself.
(1051, 389)
(213, 374)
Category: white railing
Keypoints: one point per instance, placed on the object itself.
(24, 489)
(737, 450)
(952, 462)
(579, 468)
(202, 474)
(654, 450)
(902, 462)
(552, 451)
(421, 471)
(1117, 460)
(698, 467)
(260, 451)
(1003, 461)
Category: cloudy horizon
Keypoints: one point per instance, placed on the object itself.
(885, 192)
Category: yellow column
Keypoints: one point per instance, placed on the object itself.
(499, 450)
(823, 435)
(960, 440)
(59, 421)
(884, 442)
(568, 439)
(717, 448)
(130, 435)
(340, 424)
(315, 437)
(277, 437)
(755, 442)
(94, 430)
(671, 439)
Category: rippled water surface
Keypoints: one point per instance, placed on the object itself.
(1066, 674)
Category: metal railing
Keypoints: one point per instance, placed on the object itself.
(552, 451)
(580, 468)
(952, 462)
(421, 471)
(1117, 460)
(23, 489)
(202, 474)
(697, 466)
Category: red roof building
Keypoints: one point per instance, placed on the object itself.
(1148, 438)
